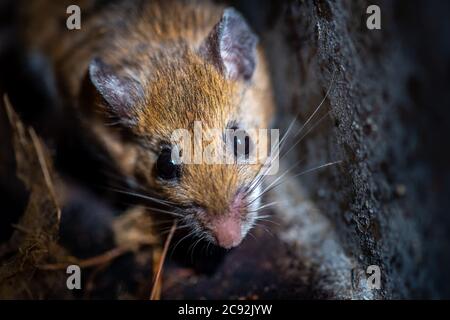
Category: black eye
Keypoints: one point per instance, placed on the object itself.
(166, 167)
(241, 144)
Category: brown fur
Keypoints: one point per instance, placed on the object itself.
(158, 40)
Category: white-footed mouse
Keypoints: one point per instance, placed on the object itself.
(152, 67)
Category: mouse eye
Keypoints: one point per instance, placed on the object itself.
(166, 167)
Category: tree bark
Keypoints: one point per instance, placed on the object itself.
(387, 203)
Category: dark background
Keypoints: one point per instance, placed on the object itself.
(389, 117)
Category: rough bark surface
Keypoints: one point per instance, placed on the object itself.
(387, 203)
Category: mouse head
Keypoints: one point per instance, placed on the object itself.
(205, 92)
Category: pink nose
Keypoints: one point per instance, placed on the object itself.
(227, 231)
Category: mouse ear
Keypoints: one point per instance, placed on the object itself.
(121, 93)
(231, 46)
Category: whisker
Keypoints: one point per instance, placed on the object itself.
(251, 235)
(296, 176)
(317, 168)
(264, 206)
(259, 225)
(320, 104)
(167, 230)
(262, 217)
(164, 211)
(208, 245)
(146, 197)
(259, 176)
(270, 221)
(304, 135)
(182, 239)
(193, 248)
(276, 180)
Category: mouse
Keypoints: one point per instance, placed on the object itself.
(137, 71)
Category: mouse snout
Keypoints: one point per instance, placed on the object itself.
(227, 231)
(227, 228)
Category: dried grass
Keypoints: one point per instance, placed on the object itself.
(32, 262)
